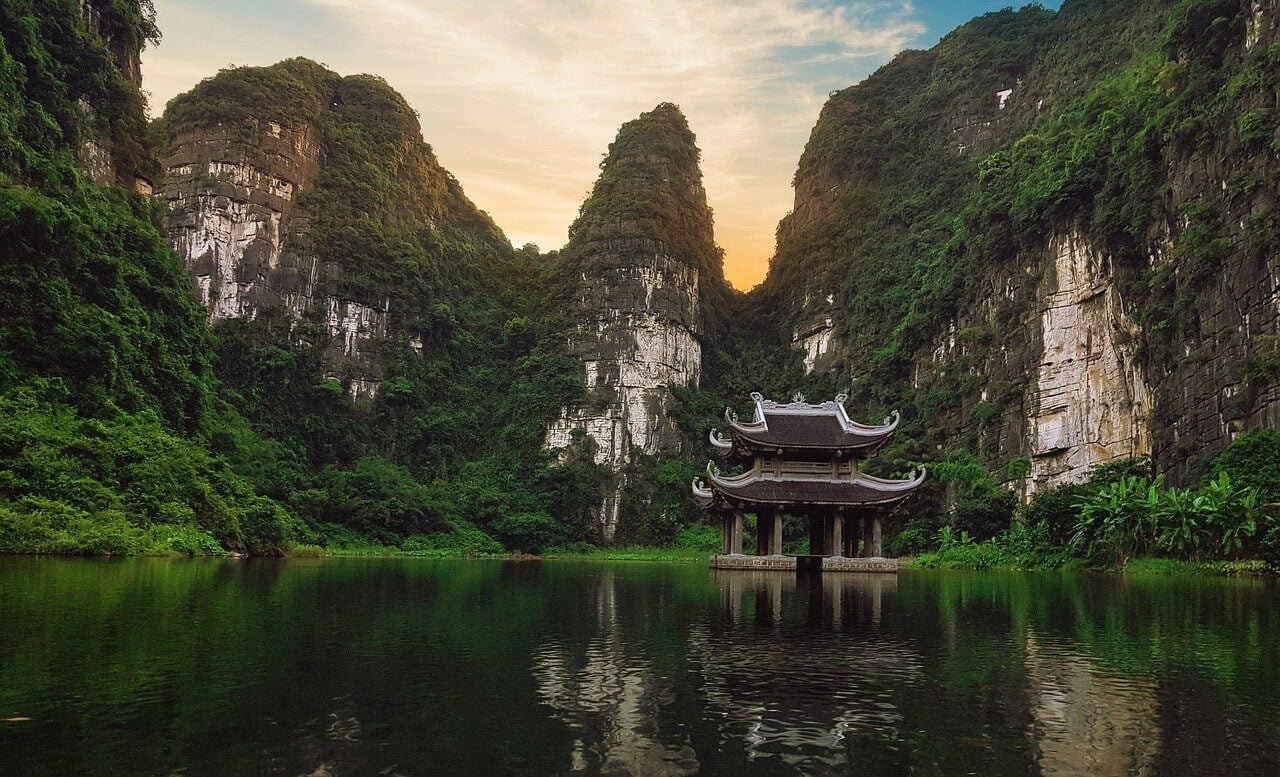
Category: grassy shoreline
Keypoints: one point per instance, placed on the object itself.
(940, 560)
(1144, 566)
(631, 553)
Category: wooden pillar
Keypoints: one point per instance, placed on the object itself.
(775, 533)
(817, 529)
(735, 534)
(866, 537)
(877, 547)
(828, 535)
(764, 525)
(836, 548)
(726, 529)
(852, 536)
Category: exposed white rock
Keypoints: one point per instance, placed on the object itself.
(215, 248)
(364, 389)
(1090, 403)
(94, 160)
(354, 324)
(230, 223)
(1256, 24)
(639, 342)
(816, 342)
(1003, 96)
(251, 178)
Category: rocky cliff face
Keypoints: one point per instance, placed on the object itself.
(233, 215)
(263, 207)
(1088, 400)
(646, 261)
(1065, 314)
(114, 150)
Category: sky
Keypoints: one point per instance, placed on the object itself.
(521, 98)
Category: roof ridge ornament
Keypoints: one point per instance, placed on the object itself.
(798, 398)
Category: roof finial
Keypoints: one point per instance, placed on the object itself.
(841, 398)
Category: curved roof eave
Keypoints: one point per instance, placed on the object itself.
(884, 484)
(718, 442)
(890, 422)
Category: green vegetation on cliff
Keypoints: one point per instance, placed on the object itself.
(129, 427)
(927, 194)
(473, 367)
(108, 400)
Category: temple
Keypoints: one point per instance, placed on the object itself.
(802, 459)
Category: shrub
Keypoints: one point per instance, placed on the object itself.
(377, 498)
(916, 537)
(1253, 461)
(528, 532)
(1232, 514)
(699, 536)
(1056, 510)
(983, 508)
(463, 539)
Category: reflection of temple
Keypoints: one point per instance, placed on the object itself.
(613, 699)
(802, 459)
(798, 671)
(1088, 721)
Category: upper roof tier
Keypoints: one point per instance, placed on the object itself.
(801, 426)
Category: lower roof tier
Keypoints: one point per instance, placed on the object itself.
(756, 488)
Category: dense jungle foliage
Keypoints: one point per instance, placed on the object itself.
(918, 187)
(127, 425)
(106, 386)
(475, 364)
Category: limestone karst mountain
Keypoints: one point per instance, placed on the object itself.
(290, 187)
(642, 252)
(1048, 239)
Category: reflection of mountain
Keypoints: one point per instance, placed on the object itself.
(1090, 722)
(804, 694)
(611, 699)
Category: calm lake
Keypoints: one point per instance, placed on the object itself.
(409, 666)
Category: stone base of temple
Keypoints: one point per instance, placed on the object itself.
(788, 563)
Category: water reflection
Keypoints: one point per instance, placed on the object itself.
(424, 667)
(1089, 721)
(799, 670)
(612, 699)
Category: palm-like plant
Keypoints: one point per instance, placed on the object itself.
(1232, 512)
(1119, 521)
(1182, 526)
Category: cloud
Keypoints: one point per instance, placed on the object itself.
(521, 97)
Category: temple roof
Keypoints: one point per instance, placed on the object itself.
(862, 490)
(801, 425)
